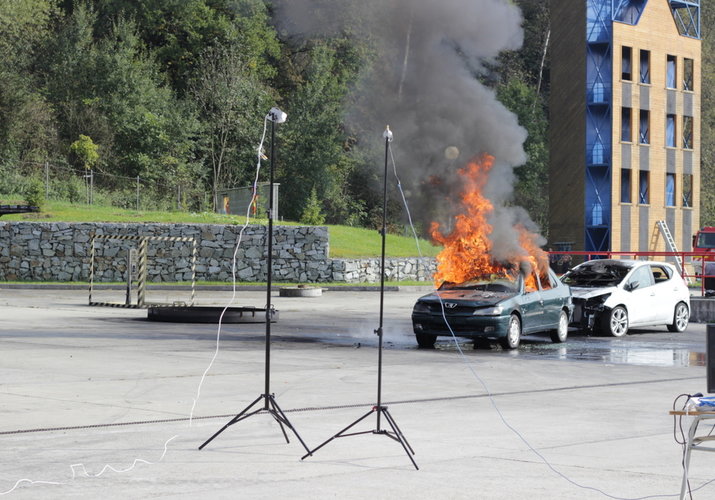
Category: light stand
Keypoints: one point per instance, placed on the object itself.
(270, 405)
(379, 409)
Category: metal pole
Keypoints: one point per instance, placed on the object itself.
(91, 186)
(388, 137)
(47, 181)
(270, 266)
(137, 193)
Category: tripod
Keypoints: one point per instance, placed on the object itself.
(378, 409)
(270, 405)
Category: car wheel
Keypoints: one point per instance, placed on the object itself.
(513, 333)
(562, 331)
(426, 340)
(615, 323)
(680, 318)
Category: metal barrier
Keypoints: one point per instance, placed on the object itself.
(695, 259)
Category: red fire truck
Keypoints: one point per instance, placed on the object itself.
(704, 244)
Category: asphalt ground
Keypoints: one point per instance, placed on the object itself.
(99, 403)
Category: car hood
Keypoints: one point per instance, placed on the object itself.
(475, 298)
(590, 292)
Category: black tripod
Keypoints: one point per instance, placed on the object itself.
(269, 400)
(378, 409)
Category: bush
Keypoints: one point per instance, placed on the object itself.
(312, 213)
(35, 193)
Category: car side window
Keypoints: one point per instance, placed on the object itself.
(641, 278)
(660, 273)
(545, 282)
(531, 283)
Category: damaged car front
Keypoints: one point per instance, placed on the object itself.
(610, 296)
(592, 284)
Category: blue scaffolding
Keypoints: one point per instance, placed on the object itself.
(601, 14)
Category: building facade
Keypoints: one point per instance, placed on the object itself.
(625, 124)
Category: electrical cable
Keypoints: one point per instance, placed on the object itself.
(233, 268)
(506, 422)
(136, 461)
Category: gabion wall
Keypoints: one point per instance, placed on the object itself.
(57, 251)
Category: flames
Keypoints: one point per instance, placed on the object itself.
(467, 249)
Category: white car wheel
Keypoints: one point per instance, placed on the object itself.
(616, 322)
(681, 316)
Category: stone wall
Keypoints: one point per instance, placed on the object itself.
(57, 251)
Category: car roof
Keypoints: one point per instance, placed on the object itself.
(627, 262)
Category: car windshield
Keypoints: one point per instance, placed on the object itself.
(502, 282)
(596, 274)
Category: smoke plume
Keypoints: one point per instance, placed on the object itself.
(426, 86)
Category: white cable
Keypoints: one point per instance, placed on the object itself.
(491, 397)
(85, 473)
(136, 461)
(404, 201)
(233, 270)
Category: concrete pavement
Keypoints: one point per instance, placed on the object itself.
(119, 391)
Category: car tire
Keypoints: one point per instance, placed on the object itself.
(562, 330)
(513, 333)
(426, 340)
(615, 322)
(681, 316)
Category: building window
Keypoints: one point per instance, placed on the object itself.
(645, 66)
(687, 190)
(625, 185)
(643, 182)
(670, 72)
(687, 132)
(670, 131)
(669, 190)
(644, 127)
(626, 63)
(626, 127)
(688, 75)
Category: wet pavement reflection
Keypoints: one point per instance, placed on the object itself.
(631, 350)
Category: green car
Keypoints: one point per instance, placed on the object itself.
(501, 306)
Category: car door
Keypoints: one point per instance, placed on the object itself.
(532, 308)
(666, 293)
(552, 300)
(639, 297)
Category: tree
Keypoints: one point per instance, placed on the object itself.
(86, 151)
(312, 213)
(314, 133)
(231, 103)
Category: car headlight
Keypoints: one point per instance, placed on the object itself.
(488, 311)
(421, 307)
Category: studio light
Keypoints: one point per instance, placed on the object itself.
(266, 402)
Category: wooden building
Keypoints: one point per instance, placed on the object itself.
(625, 124)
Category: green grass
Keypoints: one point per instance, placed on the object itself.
(345, 242)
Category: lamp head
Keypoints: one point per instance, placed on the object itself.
(277, 116)
(387, 134)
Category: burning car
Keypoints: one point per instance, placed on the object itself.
(610, 296)
(500, 306)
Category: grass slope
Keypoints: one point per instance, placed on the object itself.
(345, 241)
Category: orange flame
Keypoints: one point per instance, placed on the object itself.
(467, 251)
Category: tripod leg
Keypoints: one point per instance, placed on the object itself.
(274, 411)
(400, 437)
(339, 434)
(284, 420)
(232, 421)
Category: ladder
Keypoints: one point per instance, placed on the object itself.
(670, 242)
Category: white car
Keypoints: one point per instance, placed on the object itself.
(610, 296)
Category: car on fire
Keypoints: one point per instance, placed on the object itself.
(610, 296)
(500, 306)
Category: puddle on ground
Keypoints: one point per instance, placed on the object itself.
(628, 353)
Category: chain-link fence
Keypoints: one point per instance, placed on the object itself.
(64, 182)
